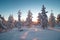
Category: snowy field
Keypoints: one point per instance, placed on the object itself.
(34, 33)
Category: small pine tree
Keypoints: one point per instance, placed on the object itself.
(52, 20)
(10, 21)
(29, 18)
(2, 22)
(39, 18)
(19, 16)
(19, 19)
(58, 19)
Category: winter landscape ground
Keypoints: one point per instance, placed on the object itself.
(33, 33)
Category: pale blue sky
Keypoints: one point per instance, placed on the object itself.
(8, 7)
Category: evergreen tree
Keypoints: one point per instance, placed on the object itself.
(29, 18)
(19, 16)
(52, 20)
(39, 18)
(58, 19)
(19, 20)
(2, 22)
(10, 18)
(44, 19)
(10, 21)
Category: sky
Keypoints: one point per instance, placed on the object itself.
(8, 7)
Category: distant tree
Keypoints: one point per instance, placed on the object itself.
(0, 15)
(44, 18)
(2, 23)
(10, 18)
(29, 18)
(58, 19)
(10, 21)
(1, 18)
(19, 16)
(52, 21)
(19, 20)
(39, 18)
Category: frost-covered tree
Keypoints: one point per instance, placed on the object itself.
(58, 19)
(29, 18)
(18, 24)
(39, 18)
(44, 18)
(52, 20)
(10, 21)
(10, 18)
(2, 23)
(19, 16)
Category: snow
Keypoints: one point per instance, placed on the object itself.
(33, 33)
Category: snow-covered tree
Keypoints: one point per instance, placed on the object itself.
(2, 23)
(10, 21)
(19, 19)
(52, 20)
(10, 18)
(19, 16)
(39, 18)
(29, 18)
(44, 18)
(58, 19)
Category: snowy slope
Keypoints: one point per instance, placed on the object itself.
(34, 33)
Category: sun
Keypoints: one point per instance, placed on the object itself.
(34, 19)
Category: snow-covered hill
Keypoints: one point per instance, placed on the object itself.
(34, 33)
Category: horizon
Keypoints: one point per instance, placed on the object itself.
(8, 7)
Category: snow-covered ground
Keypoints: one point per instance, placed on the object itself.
(33, 33)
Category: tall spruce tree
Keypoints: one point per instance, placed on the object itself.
(44, 19)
